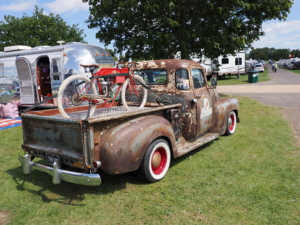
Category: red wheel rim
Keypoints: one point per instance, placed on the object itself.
(159, 160)
(231, 122)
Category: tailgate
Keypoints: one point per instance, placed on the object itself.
(53, 136)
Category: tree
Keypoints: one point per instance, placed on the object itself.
(153, 29)
(295, 53)
(259, 53)
(272, 53)
(39, 29)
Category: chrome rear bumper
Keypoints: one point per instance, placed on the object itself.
(58, 174)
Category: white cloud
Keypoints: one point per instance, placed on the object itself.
(19, 5)
(62, 6)
(280, 35)
(281, 27)
(291, 45)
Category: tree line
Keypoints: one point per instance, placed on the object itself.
(273, 54)
(37, 30)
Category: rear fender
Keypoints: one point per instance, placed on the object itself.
(122, 147)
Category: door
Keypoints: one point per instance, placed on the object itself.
(204, 102)
(25, 80)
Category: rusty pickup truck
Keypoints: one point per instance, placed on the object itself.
(144, 140)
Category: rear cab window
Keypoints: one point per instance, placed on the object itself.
(153, 76)
(182, 79)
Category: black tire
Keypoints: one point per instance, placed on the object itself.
(231, 123)
(222, 77)
(156, 161)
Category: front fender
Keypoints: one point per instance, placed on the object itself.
(222, 109)
(122, 147)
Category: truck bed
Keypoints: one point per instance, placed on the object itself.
(101, 114)
(47, 132)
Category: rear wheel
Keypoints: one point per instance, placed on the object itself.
(156, 161)
(69, 96)
(231, 123)
(134, 94)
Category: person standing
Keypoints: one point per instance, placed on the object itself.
(275, 67)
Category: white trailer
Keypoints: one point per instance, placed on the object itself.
(208, 65)
(224, 66)
(230, 65)
(38, 72)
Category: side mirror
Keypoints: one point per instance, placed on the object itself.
(213, 81)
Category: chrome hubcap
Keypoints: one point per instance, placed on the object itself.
(230, 122)
(156, 160)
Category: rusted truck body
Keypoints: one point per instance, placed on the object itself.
(145, 140)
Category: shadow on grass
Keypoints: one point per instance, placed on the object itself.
(176, 161)
(39, 183)
(67, 193)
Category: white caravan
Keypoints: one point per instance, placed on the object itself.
(230, 65)
(224, 66)
(37, 72)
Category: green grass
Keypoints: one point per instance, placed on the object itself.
(293, 71)
(233, 80)
(251, 177)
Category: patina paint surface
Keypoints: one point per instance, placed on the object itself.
(123, 147)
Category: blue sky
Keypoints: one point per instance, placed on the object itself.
(277, 34)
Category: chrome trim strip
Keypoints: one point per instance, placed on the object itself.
(58, 174)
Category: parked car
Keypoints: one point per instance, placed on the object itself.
(297, 65)
(259, 67)
(291, 65)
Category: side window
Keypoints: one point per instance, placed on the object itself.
(1, 70)
(198, 79)
(225, 60)
(238, 61)
(56, 69)
(182, 79)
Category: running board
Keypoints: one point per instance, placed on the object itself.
(189, 146)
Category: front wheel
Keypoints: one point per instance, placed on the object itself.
(156, 161)
(133, 93)
(231, 123)
(69, 95)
